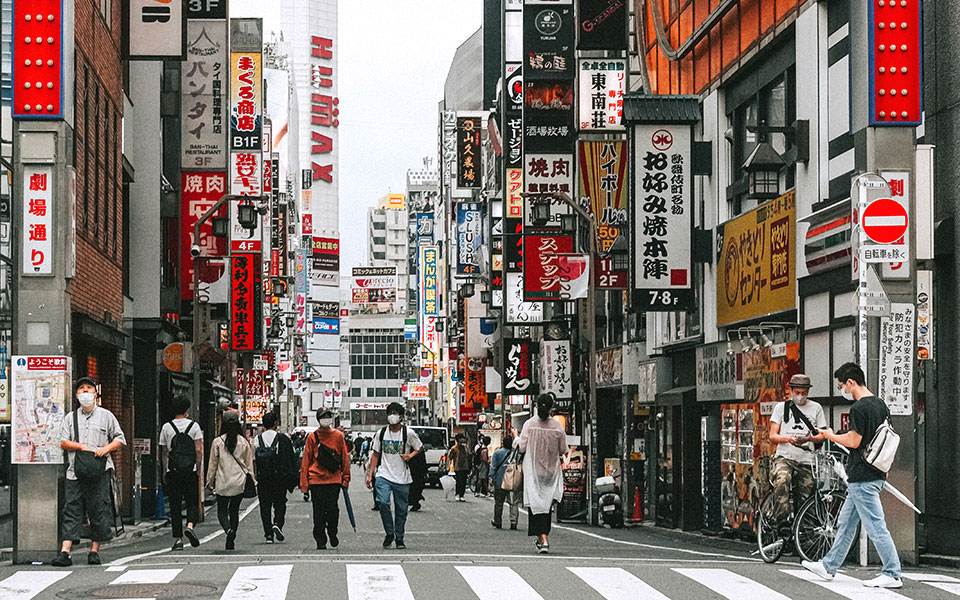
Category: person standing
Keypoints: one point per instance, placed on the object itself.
(231, 459)
(275, 464)
(543, 441)
(458, 461)
(483, 467)
(88, 434)
(181, 450)
(867, 414)
(393, 446)
(498, 466)
(324, 471)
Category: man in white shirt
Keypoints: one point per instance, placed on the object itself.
(181, 450)
(393, 446)
(791, 470)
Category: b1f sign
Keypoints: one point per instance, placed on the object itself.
(157, 29)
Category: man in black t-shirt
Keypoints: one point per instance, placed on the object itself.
(865, 482)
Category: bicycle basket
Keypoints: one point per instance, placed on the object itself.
(825, 472)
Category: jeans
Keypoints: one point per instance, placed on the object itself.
(461, 477)
(863, 505)
(182, 490)
(499, 496)
(326, 510)
(401, 493)
(228, 511)
(273, 499)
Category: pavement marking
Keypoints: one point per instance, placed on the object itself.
(129, 559)
(489, 583)
(616, 584)
(119, 569)
(147, 576)
(731, 585)
(656, 547)
(941, 582)
(375, 582)
(846, 586)
(258, 583)
(24, 585)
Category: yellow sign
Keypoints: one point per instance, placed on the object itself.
(756, 274)
(393, 201)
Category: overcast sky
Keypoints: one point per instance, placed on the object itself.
(393, 59)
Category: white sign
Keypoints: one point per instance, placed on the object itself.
(924, 315)
(203, 122)
(519, 311)
(602, 85)
(41, 399)
(556, 368)
(899, 182)
(896, 359)
(548, 173)
(369, 405)
(663, 223)
(884, 254)
(38, 233)
(246, 173)
(261, 364)
(156, 29)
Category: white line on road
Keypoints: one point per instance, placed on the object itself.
(655, 547)
(846, 586)
(147, 576)
(24, 585)
(120, 569)
(731, 585)
(941, 582)
(375, 582)
(616, 584)
(489, 583)
(258, 583)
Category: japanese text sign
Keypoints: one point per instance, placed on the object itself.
(156, 29)
(37, 235)
(544, 274)
(202, 93)
(469, 237)
(924, 315)
(603, 183)
(246, 104)
(603, 24)
(38, 67)
(602, 85)
(549, 120)
(514, 205)
(469, 173)
(42, 395)
(198, 193)
(475, 390)
(549, 32)
(519, 311)
(556, 368)
(245, 306)
(429, 280)
(324, 109)
(518, 378)
(896, 359)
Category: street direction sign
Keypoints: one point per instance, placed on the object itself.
(885, 221)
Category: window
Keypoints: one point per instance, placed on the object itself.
(354, 392)
(393, 373)
(381, 392)
(368, 373)
(393, 392)
(356, 372)
(106, 11)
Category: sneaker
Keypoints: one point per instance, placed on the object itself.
(401, 545)
(818, 569)
(884, 581)
(62, 560)
(334, 540)
(94, 559)
(415, 507)
(375, 507)
(231, 536)
(387, 540)
(278, 533)
(497, 525)
(268, 539)
(191, 536)
(177, 544)
(544, 548)
(460, 499)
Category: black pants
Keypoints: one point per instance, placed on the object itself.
(416, 491)
(95, 496)
(538, 524)
(462, 482)
(273, 506)
(326, 510)
(182, 489)
(228, 511)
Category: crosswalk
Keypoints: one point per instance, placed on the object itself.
(539, 580)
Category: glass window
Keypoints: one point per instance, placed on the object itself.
(368, 348)
(381, 372)
(381, 348)
(816, 311)
(355, 392)
(393, 392)
(816, 359)
(368, 373)
(381, 392)
(369, 392)
(356, 372)
(393, 373)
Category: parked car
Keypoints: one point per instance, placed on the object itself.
(435, 442)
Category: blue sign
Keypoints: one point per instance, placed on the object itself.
(326, 325)
(469, 238)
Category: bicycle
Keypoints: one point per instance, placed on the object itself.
(814, 524)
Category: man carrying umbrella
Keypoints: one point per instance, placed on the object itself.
(325, 470)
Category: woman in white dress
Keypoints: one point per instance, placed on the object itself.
(543, 442)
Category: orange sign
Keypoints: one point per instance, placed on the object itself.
(173, 357)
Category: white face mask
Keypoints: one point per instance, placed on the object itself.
(326, 422)
(799, 400)
(393, 419)
(846, 395)
(87, 399)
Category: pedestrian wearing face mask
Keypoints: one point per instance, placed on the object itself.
(543, 441)
(791, 472)
(89, 434)
(324, 472)
(393, 447)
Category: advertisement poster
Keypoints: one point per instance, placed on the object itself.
(602, 85)
(326, 254)
(543, 274)
(573, 503)
(42, 394)
(198, 193)
(549, 120)
(245, 303)
(38, 232)
(469, 152)
(246, 104)
(374, 285)
(469, 237)
(202, 94)
(896, 359)
(603, 24)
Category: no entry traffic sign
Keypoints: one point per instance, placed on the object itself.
(884, 221)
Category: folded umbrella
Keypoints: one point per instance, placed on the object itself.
(349, 505)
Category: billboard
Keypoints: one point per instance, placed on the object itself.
(326, 325)
(556, 369)
(202, 92)
(374, 285)
(198, 193)
(42, 396)
(602, 85)
(469, 237)
(517, 370)
(245, 302)
(246, 100)
(469, 153)
(519, 311)
(602, 24)
(603, 183)
(543, 273)
(429, 280)
(326, 254)
(549, 120)
(156, 29)
(33, 101)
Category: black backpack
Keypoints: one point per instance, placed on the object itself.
(267, 458)
(183, 451)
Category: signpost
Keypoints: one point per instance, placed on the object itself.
(885, 221)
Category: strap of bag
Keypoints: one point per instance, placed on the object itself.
(260, 441)
(242, 468)
(76, 427)
(189, 427)
(175, 430)
(276, 441)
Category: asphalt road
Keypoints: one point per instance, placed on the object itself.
(452, 552)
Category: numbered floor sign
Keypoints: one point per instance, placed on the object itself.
(664, 300)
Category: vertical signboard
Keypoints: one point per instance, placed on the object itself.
(469, 237)
(37, 45)
(543, 272)
(156, 29)
(324, 109)
(245, 302)
(425, 226)
(429, 281)
(896, 63)
(603, 24)
(549, 36)
(326, 254)
(246, 104)
(899, 182)
(202, 91)
(517, 369)
(602, 85)
(519, 311)
(603, 185)
(556, 369)
(924, 315)
(42, 394)
(474, 391)
(896, 359)
(469, 172)
(199, 192)
(549, 121)
(513, 117)
(38, 231)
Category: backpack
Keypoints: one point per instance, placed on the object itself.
(183, 451)
(266, 458)
(417, 465)
(882, 449)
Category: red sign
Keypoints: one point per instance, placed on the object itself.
(37, 67)
(326, 245)
(46, 363)
(885, 221)
(199, 192)
(542, 273)
(606, 277)
(244, 305)
(896, 77)
(306, 221)
(323, 109)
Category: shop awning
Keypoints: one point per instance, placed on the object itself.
(675, 396)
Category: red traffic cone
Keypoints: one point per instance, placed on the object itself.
(637, 505)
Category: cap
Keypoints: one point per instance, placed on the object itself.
(84, 380)
(230, 416)
(800, 380)
(324, 412)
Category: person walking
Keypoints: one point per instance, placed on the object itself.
(181, 451)
(88, 434)
(324, 471)
(483, 467)
(393, 447)
(275, 464)
(863, 505)
(458, 461)
(543, 441)
(498, 466)
(231, 460)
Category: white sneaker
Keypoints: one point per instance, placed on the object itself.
(884, 581)
(818, 569)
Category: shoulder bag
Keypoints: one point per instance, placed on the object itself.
(882, 449)
(249, 487)
(87, 466)
(513, 474)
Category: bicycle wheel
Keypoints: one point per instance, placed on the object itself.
(769, 541)
(816, 524)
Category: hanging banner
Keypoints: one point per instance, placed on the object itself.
(474, 391)
(549, 121)
(246, 104)
(42, 396)
(202, 93)
(603, 24)
(602, 85)
(603, 181)
(556, 369)
(574, 275)
(429, 280)
(896, 359)
(542, 274)
(198, 193)
(520, 312)
(156, 29)
(518, 378)
(549, 38)
(38, 232)
(469, 152)
(245, 303)
(469, 237)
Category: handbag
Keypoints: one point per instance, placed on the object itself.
(882, 449)
(87, 466)
(249, 487)
(513, 474)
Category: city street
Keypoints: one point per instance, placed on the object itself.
(453, 552)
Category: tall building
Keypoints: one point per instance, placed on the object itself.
(387, 241)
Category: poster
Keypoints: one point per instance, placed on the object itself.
(38, 230)
(896, 359)
(374, 285)
(719, 375)
(602, 85)
(469, 237)
(202, 94)
(556, 370)
(924, 315)
(42, 396)
(573, 502)
(198, 193)
(469, 153)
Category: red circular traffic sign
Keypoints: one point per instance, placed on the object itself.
(884, 221)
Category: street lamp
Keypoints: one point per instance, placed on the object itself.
(763, 170)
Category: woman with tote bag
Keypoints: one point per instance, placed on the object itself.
(230, 473)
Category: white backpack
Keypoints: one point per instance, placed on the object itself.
(882, 449)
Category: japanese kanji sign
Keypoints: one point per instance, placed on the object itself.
(549, 121)
(37, 235)
(202, 93)
(374, 285)
(246, 100)
(469, 173)
(425, 225)
(474, 392)
(326, 254)
(429, 280)
(198, 193)
(556, 368)
(513, 117)
(544, 275)
(663, 225)
(603, 181)
(245, 304)
(469, 237)
(520, 312)
(549, 32)
(517, 375)
(896, 359)
(602, 85)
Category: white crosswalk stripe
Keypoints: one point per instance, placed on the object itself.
(375, 582)
(147, 576)
(846, 586)
(24, 585)
(616, 583)
(258, 583)
(941, 582)
(488, 583)
(731, 585)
